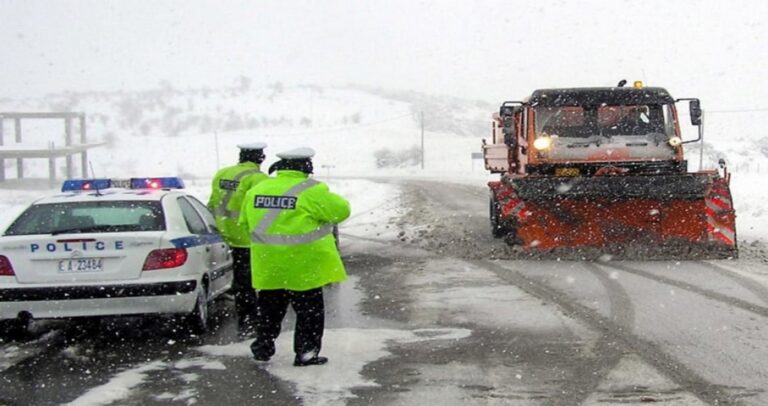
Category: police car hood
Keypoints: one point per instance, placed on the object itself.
(80, 257)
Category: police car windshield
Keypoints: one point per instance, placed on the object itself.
(89, 217)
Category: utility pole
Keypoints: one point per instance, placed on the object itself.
(422, 140)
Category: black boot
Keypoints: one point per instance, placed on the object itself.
(309, 359)
(258, 356)
(262, 352)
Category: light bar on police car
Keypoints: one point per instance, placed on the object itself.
(85, 184)
(157, 183)
(170, 182)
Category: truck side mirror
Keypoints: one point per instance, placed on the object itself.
(510, 137)
(695, 108)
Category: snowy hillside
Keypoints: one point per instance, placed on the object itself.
(193, 131)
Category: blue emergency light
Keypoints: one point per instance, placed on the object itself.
(71, 185)
(85, 184)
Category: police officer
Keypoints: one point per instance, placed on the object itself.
(228, 190)
(293, 253)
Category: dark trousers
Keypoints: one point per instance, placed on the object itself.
(310, 320)
(245, 295)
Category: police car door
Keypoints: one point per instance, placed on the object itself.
(198, 246)
(222, 253)
(221, 261)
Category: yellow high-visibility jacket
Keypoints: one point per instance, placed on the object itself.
(291, 218)
(227, 192)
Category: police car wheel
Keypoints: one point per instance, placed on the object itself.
(197, 321)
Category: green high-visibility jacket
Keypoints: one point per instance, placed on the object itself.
(291, 219)
(227, 192)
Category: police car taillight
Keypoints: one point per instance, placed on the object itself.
(165, 258)
(6, 269)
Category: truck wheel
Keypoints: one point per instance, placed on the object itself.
(497, 230)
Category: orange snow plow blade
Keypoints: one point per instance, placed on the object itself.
(686, 216)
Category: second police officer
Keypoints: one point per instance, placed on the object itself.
(227, 192)
(291, 218)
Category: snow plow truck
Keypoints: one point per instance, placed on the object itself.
(602, 170)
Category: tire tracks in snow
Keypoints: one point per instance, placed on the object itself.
(615, 330)
(616, 335)
(759, 291)
(622, 340)
(588, 375)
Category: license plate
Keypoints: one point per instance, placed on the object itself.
(81, 265)
(566, 171)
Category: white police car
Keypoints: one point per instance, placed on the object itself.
(108, 247)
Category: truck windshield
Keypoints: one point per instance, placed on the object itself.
(585, 122)
(625, 132)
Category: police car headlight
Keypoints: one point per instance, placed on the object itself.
(542, 143)
(675, 141)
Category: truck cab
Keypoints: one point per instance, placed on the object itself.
(577, 131)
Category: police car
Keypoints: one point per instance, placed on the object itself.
(105, 247)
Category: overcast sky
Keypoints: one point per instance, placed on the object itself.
(489, 50)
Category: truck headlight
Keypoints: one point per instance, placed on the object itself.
(542, 143)
(675, 141)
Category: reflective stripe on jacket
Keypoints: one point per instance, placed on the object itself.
(227, 192)
(291, 219)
